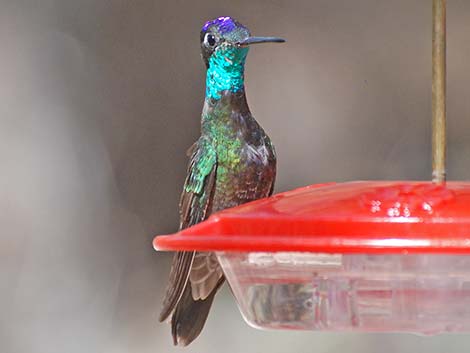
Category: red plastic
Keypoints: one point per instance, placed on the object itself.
(355, 217)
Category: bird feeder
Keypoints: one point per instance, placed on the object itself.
(357, 256)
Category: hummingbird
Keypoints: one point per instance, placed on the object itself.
(232, 162)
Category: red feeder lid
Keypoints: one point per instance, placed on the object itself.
(377, 217)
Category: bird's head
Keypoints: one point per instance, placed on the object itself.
(227, 39)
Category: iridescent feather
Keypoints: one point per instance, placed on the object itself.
(233, 162)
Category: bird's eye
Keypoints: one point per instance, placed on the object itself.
(210, 40)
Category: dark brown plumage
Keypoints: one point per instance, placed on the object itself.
(233, 162)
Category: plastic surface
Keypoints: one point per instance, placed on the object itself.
(359, 256)
(355, 217)
(420, 293)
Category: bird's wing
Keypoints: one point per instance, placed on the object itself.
(194, 207)
(205, 275)
(199, 186)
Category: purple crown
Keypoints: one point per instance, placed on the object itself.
(224, 24)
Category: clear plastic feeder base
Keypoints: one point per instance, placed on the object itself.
(418, 293)
(377, 256)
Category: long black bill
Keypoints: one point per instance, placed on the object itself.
(257, 40)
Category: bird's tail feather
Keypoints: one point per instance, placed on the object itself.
(190, 316)
(179, 274)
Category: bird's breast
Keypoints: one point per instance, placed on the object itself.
(243, 175)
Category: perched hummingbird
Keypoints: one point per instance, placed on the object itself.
(233, 162)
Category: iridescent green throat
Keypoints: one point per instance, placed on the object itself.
(226, 71)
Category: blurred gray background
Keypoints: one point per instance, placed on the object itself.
(99, 101)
